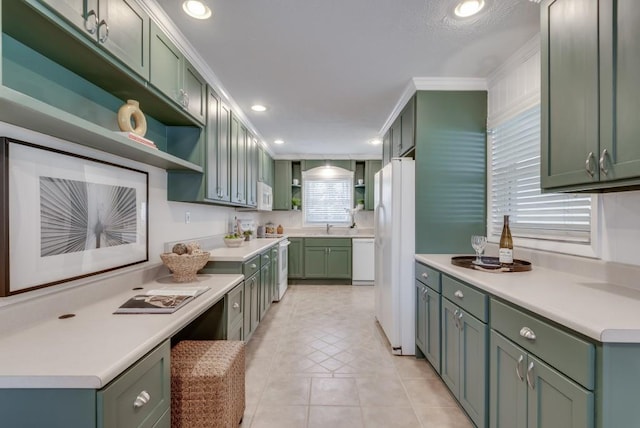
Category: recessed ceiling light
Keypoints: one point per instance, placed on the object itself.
(375, 142)
(278, 142)
(196, 9)
(258, 107)
(467, 8)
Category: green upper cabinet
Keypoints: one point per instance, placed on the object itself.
(386, 147)
(238, 162)
(407, 138)
(370, 169)
(218, 121)
(174, 76)
(396, 138)
(265, 167)
(252, 170)
(590, 64)
(119, 26)
(282, 185)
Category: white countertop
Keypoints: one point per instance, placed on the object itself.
(244, 252)
(599, 310)
(92, 348)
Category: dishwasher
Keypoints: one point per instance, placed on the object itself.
(363, 261)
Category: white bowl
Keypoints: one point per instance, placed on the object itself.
(233, 242)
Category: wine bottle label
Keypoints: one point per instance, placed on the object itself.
(505, 255)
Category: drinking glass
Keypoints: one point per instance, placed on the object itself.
(478, 242)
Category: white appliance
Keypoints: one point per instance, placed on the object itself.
(363, 258)
(265, 197)
(283, 267)
(394, 219)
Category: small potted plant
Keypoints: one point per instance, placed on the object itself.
(295, 202)
(247, 235)
(360, 204)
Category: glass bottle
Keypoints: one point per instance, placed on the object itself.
(506, 244)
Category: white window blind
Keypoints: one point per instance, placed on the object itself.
(327, 196)
(515, 187)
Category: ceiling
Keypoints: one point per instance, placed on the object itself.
(332, 71)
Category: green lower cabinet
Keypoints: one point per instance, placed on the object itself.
(295, 258)
(327, 262)
(251, 305)
(527, 393)
(266, 283)
(428, 324)
(315, 262)
(464, 360)
(339, 262)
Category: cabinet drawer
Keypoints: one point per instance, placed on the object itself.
(428, 276)
(265, 258)
(235, 304)
(121, 403)
(250, 267)
(473, 301)
(327, 242)
(569, 354)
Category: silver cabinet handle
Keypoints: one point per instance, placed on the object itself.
(587, 164)
(603, 160)
(527, 333)
(236, 305)
(266, 257)
(142, 399)
(530, 380)
(253, 266)
(458, 294)
(456, 319)
(105, 36)
(329, 250)
(460, 320)
(518, 372)
(425, 275)
(91, 29)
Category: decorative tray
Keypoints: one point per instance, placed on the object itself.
(490, 264)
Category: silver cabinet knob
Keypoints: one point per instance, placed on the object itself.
(253, 266)
(266, 256)
(142, 399)
(425, 275)
(236, 305)
(527, 333)
(458, 294)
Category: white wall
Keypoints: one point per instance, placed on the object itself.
(514, 87)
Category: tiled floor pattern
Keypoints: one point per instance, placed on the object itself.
(319, 359)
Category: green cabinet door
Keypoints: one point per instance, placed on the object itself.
(421, 316)
(339, 262)
(195, 92)
(432, 329)
(261, 165)
(450, 336)
(166, 65)
(556, 401)
(266, 282)
(507, 386)
(407, 125)
(474, 388)
(282, 186)
(238, 161)
(217, 164)
(569, 54)
(386, 147)
(396, 137)
(370, 169)
(123, 30)
(252, 305)
(81, 13)
(252, 170)
(295, 261)
(619, 90)
(315, 262)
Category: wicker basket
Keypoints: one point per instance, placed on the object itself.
(184, 267)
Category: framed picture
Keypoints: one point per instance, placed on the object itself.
(66, 216)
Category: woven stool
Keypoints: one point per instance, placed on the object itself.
(207, 384)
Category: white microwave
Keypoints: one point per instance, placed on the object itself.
(265, 197)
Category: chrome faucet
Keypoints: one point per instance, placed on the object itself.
(328, 226)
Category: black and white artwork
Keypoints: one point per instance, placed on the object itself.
(79, 216)
(69, 216)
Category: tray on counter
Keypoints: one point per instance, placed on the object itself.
(490, 264)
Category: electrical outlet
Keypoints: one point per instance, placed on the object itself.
(187, 217)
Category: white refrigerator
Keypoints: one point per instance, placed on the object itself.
(394, 219)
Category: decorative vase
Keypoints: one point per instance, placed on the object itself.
(128, 111)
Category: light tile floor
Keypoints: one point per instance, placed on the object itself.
(319, 359)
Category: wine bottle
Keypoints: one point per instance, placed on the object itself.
(506, 244)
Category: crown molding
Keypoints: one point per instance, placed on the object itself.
(432, 84)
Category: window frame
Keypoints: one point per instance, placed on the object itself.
(316, 174)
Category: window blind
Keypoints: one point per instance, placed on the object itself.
(327, 199)
(515, 187)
